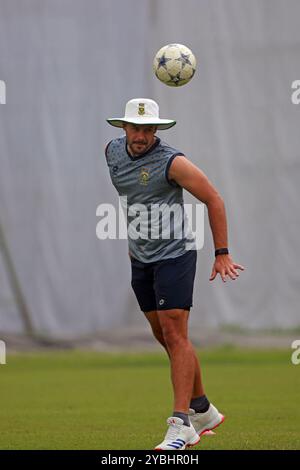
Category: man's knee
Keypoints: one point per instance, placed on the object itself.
(177, 316)
(174, 326)
(158, 334)
(173, 338)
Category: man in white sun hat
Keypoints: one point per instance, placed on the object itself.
(150, 174)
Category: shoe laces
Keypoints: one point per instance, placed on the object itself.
(173, 431)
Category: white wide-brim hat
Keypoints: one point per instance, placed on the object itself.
(142, 111)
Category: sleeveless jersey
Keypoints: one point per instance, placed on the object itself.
(157, 223)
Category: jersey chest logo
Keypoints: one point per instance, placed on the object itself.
(144, 176)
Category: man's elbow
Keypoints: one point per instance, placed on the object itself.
(215, 200)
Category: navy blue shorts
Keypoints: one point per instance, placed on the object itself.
(165, 284)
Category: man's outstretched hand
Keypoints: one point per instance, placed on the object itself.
(225, 267)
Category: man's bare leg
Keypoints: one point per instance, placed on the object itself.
(170, 329)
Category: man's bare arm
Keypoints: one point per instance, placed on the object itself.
(191, 178)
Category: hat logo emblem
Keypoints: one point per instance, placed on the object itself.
(141, 109)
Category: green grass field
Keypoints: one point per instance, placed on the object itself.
(88, 400)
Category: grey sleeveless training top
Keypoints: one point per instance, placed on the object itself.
(156, 220)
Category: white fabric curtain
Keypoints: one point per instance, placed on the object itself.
(69, 64)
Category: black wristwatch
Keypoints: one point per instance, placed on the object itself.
(221, 251)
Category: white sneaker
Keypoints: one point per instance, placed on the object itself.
(178, 436)
(207, 421)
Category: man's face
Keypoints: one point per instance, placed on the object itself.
(139, 137)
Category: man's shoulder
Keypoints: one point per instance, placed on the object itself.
(169, 149)
(114, 143)
(117, 141)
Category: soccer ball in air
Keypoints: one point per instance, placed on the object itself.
(174, 65)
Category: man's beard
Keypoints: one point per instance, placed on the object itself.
(144, 146)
